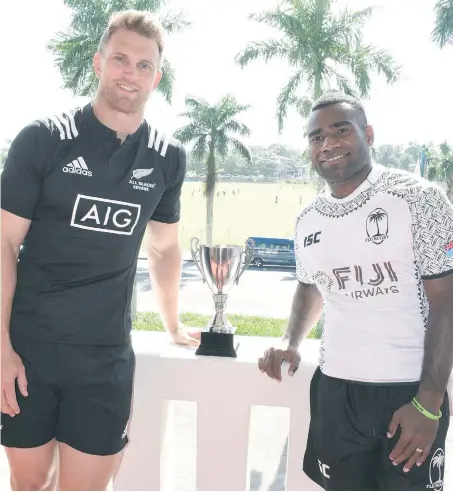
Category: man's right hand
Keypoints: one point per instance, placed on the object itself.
(271, 362)
(12, 369)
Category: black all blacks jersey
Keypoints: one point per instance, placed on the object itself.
(89, 198)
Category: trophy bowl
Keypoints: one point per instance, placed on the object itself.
(221, 266)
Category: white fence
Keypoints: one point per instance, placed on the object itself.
(224, 390)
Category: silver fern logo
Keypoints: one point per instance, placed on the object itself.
(140, 173)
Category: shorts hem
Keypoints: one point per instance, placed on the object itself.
(97, 452)
(9, 444)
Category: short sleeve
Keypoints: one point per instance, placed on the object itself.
(301, 274)
(23, 172)
(168, 210)
(433, 233)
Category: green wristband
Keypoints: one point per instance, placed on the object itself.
(425, 412)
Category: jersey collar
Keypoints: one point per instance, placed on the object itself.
(376, 172)
(102, 131)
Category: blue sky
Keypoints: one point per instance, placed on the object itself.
(419, 107)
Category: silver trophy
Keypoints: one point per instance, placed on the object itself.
(220, 267)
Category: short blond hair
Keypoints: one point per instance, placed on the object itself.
(140, 21)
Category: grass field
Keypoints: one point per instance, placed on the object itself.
(250, 211)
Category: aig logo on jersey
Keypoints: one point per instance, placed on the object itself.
(102, 215)
(377, 226)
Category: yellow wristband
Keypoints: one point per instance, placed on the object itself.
(425, 412)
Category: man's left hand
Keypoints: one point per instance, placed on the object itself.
(183, 336)
(417, 436)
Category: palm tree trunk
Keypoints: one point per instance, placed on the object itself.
(209, 215)
(318, 88)
(209, 192)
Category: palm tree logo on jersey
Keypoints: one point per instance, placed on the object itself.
(436, 468)
(377, 226)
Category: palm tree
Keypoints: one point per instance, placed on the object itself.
(73, 49)
(438, 461)
(446, 167)
(377, 217)
(321, 47)
(213, 131)
(443, 29)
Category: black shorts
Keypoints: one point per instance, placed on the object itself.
(78, 394)
(347, 446)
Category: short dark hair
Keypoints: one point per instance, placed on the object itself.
(334, 97)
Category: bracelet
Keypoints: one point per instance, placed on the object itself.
(425, 412)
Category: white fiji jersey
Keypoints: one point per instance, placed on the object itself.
(368, 254)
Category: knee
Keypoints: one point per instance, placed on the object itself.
(46, 480)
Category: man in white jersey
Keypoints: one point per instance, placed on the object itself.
(377, 248)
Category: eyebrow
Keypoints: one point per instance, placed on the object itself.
(337, 124)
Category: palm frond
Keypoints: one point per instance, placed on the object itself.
(242, 149)
(267, 50)
(442, 33)
(165, 86)
(188, 133)
(286, 96)
(201, 149)
(174, 22)
(236, 127)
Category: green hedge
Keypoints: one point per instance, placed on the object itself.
(246, 325)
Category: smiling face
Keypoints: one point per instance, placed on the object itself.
(339, 142)
(128, 68)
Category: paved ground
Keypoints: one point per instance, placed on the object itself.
(266, 292)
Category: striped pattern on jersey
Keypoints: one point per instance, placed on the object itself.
(156, 139)
(65, 124)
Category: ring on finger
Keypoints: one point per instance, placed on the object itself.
(419, 450)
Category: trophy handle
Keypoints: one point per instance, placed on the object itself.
(247, 257)
(195, 250)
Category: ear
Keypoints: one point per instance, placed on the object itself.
(369, 135)
(97, 64)
(157, 79)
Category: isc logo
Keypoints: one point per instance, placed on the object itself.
(102, 215)
(312, 239)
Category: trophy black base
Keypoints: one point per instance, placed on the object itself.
(216, 344)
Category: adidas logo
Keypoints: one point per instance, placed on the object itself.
(78, 166)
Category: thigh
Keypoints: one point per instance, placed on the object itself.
(430, 475)
(36, 423)
(96, 399)
(82, 471)
(33, 468)
(340, 455)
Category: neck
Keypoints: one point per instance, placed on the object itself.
(123, 124)
(342, 189)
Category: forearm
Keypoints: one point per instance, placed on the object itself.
(306, 311)
(438, 358)
(165, 273)
(9, 280)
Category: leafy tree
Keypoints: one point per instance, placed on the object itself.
(325, 49)
(213, 130)
(74, 48)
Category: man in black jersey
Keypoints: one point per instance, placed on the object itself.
(79, 192)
